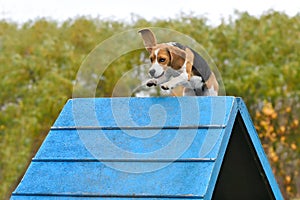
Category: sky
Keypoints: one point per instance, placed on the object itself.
(214, 10)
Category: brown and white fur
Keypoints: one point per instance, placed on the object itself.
(173, 66)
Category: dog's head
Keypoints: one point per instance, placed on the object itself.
(162, 55)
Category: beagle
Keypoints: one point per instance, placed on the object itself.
(174, 64)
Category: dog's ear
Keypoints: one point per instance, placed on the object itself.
(178, 57)
(148, 38)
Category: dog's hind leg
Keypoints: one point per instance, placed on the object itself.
(196, 82)
(189, 92)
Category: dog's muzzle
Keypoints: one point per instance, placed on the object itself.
(152, 74)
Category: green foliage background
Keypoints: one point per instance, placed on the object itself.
(258, 59)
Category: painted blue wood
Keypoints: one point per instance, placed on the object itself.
(57, 145)
(137, 112)
(94, 198)
(95, 178)
(125, 148)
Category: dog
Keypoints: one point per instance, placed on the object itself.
(174, 64)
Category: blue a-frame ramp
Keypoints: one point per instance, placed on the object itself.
(151, 148)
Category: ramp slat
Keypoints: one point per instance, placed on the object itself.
(89, 144)
(95, 178)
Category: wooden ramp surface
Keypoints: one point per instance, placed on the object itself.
(150, 148)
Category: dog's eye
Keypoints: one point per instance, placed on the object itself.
(162, 60)
(151, 59)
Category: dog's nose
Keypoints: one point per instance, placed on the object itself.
(152, 72)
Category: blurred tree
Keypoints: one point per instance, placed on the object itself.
(258, 59)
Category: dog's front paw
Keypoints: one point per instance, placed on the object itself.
(151, 82)
(165, 87)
